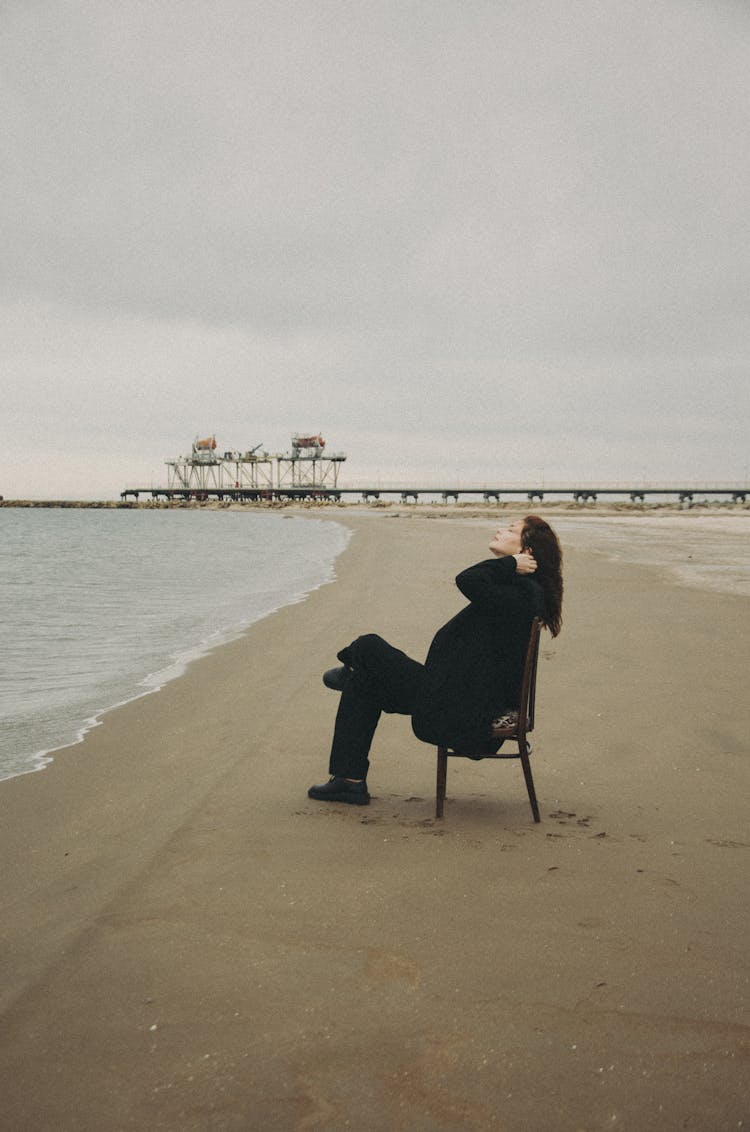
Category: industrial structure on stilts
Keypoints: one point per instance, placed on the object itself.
(306, 472)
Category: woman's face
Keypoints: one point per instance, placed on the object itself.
(507, 540)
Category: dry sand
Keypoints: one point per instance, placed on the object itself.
(189, 943)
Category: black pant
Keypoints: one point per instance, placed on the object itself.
(383, 679)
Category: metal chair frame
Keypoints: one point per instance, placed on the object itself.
(515, 732)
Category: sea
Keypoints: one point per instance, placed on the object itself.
(101, 606)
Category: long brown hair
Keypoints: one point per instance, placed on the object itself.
(538, 537)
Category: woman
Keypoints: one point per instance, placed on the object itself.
(473, 669)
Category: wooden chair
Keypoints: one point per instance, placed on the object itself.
(514, 727)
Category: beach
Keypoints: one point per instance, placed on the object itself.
(190, 943)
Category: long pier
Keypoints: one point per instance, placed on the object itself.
(685, 493)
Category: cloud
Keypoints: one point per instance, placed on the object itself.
(382, 219)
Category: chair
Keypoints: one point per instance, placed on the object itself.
(513, 726)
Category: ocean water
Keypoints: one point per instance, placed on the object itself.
(99, 607)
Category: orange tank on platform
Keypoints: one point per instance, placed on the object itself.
(308, 442)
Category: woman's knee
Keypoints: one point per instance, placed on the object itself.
(362, 649)
(371, 643)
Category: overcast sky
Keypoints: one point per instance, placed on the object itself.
(486, 239)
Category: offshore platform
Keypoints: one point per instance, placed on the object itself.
(306, 472)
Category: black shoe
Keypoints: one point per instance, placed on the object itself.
(339, 790)
(337, 678)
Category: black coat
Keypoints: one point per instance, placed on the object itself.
(474, 666)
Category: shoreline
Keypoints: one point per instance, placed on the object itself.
(181, 952)
(153, 675)
(459, 508)
(42, 758)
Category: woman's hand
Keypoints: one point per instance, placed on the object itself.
(525, 563)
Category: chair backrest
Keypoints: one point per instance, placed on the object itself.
(527, 701)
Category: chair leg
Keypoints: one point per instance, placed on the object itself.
(523, 750)
(442, 777)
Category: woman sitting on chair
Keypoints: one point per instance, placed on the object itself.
(472, 673)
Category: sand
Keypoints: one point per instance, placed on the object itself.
(189, 943)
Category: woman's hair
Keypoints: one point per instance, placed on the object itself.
(538, 537)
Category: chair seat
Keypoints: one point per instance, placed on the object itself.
(505, 726)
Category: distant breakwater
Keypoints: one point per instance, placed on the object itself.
(109, 504)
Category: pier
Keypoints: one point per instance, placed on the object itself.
(309, 472)
(684, 493)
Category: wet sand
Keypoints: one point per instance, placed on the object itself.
(189, 943)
